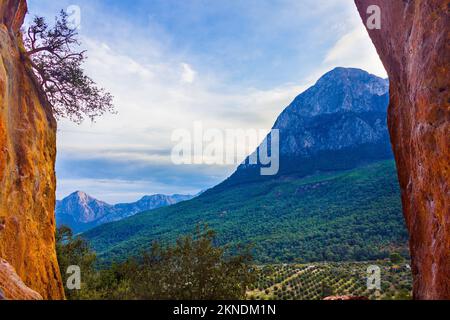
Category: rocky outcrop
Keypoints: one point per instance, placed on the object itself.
(413, 44)
(27, 157)
(12, 287)
(337, 124)
(346, 108)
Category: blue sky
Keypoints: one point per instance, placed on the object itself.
(230, 64)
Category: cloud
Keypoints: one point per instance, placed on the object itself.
(135, 145)
(229, 64)
(188, 74)
(355, 49)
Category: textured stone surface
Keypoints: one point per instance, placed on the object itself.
(346, 108)
(12, 287)
(413, 44)
(27, 157)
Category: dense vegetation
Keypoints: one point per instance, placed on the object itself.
(74, 251)
(322, 161)
(195, 269)
(320, 280)
(336, 216)
(192, 269)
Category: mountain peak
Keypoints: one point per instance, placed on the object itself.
(81, 207)
(342, 90)
(80, 194)
(337, 123)
(153, 196)
(345, 71)
(353, 76)
(345, 108)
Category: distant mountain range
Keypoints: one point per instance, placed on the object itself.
(81, 212)
(336, 196)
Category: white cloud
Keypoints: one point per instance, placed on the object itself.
(355, 49)
(160, 85)
(188, 75)
(152, 102)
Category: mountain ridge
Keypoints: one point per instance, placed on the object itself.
(81, 212)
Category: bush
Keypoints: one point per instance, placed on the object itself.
(192, 269)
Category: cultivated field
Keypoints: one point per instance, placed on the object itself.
(319, 280)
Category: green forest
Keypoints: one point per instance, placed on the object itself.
(352, 215)
(194, 268)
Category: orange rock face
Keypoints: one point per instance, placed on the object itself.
(27, 157)
(413, 44)
(12, 287)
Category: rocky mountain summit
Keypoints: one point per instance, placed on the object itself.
(345, 108)
(337, 124)
(81, 208)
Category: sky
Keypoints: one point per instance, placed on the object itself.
(232, 64)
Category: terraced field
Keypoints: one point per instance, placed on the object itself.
(317, 281)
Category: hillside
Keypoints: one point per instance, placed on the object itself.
(335, 216)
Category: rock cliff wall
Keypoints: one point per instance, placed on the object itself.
(413, 44)
(27, 157)
(12, 287)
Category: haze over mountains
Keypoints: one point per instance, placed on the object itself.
(335, 198)
(82, 212)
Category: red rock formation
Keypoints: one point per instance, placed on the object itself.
(12, 287)
(413, 44)
(27, 157)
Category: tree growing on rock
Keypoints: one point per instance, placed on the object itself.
(55, 56)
